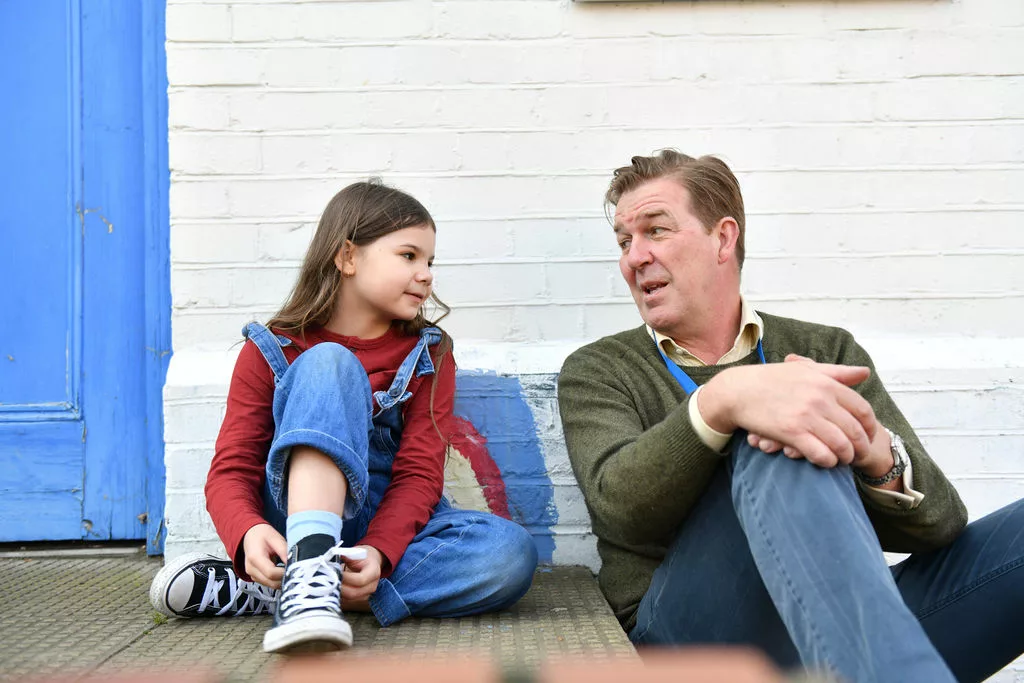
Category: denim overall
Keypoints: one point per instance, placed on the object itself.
(462, 562)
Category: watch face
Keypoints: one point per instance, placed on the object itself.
(899, 451)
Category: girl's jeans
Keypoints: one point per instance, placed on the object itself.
(461, 562)
(779, 554)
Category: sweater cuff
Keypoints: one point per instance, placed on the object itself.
(713, 439)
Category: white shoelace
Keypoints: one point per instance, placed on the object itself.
(258, 598)
(316, 583)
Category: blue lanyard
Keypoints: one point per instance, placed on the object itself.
(689, 386)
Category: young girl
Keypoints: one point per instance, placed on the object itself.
(335, 434)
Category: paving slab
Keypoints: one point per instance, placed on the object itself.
(73, 616)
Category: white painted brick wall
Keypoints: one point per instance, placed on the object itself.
(880, 147)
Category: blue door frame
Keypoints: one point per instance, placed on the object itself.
(156, 181)
(87, 268)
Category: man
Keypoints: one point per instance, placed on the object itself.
(744, 471)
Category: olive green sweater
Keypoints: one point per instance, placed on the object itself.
(641, 465)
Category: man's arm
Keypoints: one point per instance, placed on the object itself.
(941, 515)
(809, 408)
(875, 461)
(639, 480)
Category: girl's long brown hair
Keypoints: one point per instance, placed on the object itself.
(360, 213)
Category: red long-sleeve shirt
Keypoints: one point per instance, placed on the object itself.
(234, 484)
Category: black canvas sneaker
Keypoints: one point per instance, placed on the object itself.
(201, 585)
(308, 617)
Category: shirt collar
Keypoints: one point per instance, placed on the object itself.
(751, 331)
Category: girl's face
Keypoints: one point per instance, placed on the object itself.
(385, 280)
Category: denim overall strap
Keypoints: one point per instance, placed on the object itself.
(419, 361)
(270, 345)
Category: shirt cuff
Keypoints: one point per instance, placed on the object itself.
(713, 439)
(908, 499)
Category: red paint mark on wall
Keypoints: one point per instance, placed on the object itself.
(473, 446)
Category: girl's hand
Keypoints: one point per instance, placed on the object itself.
(360, 578)
(264, 547)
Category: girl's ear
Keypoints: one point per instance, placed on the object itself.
(345, 259)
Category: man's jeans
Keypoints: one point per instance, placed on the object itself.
(779, 554)
(462, 562)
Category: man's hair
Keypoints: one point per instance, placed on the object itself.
(714, 190)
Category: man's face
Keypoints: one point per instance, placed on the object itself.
(667, 257)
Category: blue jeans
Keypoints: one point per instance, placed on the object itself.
(779, 554)
(461, 562)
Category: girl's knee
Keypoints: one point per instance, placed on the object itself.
(327, 358)
(526, 550)
(513, 558)
(327, 369)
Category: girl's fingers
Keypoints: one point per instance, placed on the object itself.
(278, 546)
(253, 571)
(256, 576)
(357, 585)
(266, 572)
(349, 593)
(359, 578)
(352, 578)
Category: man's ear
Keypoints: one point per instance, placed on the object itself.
(345, 259)
(728, 232)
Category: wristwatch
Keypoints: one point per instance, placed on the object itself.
(900, 459)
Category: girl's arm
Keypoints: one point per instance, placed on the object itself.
(417, 479)
(234, 485)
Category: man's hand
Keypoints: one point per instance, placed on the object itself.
(770, 445)
(360, 578)
(807, 408)
(878, 460)
(264, 547)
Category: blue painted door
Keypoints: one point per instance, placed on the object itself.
(82, 270)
